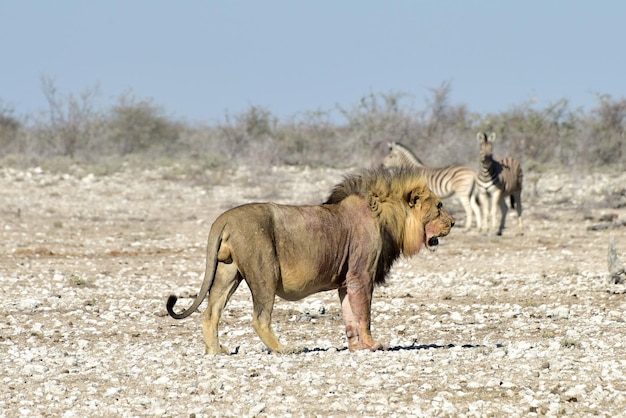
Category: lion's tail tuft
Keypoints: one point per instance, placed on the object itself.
(171, 301)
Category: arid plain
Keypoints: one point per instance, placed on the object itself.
(485, 326)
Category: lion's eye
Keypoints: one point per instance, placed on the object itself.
(439, 205)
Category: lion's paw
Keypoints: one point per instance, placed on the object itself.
(214, 350)
(288, 350)
(373, 346)
(376, 346)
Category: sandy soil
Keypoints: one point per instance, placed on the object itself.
(486, 326)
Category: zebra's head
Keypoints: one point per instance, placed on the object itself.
(400, 156)
(486, 145)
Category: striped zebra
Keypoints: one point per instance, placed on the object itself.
(444, 182)
(498, 179)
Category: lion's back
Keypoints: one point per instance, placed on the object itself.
(285, 225)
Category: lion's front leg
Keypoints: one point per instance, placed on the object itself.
(356, 302)
(352, 329)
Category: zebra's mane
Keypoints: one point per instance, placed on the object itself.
(405, 154)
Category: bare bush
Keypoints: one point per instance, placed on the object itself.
(139, 126)
(70, 123)
(312, 138)
(606, 143)
(449, 129)
(376, 120)
(204, 145)
(440, 132)
(249, 137)
(9, 128)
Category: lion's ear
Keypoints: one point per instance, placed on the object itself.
(373, 201)
(492, 137)
(414, 196)
(480, 136)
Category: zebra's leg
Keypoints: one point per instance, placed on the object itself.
(518, 206)
(496, 197)
(476, 211)
(483, 198)
(467, 206)
(503, 211)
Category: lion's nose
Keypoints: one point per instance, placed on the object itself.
(452, 222)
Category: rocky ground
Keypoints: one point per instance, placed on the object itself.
(486, 326)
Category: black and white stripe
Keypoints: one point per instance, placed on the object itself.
(498, 179)
(444, 182)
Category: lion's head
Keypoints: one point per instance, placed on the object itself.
(410, 215)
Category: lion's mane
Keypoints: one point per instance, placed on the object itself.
(387, 192)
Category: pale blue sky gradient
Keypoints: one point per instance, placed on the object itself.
(200, 59)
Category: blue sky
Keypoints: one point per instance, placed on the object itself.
(201, 59)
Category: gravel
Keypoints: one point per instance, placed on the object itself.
(485, 326)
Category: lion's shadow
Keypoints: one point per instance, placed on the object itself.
(411, 347)
(438, 346)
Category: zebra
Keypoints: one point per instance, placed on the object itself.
(444, 182)
(498, 179)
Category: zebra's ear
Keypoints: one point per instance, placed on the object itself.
(492, 137)
(480, 136)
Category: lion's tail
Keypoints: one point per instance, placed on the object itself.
(209, 274)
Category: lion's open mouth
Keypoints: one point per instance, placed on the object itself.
(432, 234)
(433, 242)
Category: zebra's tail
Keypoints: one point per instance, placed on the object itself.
(513, 203)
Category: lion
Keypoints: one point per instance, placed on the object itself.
(349, 243)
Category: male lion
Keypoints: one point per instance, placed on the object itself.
(349, 243)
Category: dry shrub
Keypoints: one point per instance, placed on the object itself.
(75, 128)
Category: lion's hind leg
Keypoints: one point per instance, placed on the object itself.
(224, 284)
(262, 322)
(263, 290)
